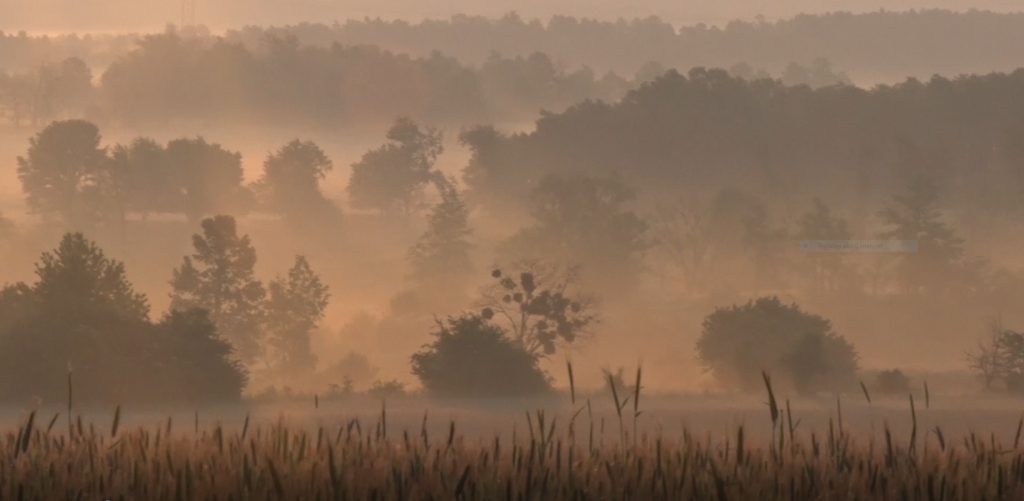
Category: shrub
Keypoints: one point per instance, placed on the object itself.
(892, 382)
(471, 357)
(738, 342)
(386, 389)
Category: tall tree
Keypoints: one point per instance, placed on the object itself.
(219, 278)
(291, 181)
(682, 231)
(294, 310)
(391, 178)
(915, 216)
(441, 255)
(823, 268)
(60, 173)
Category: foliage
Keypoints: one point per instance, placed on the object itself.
(441, 254)
(916, 216)
(582, 220)
(353, 367)
(892, 382)
(77, 276)
(823, 268)
(386, 389)
(999, 358)
(204, 360)
(60, 173)
(739, 342)
(219, 277)
(49, 90)
(391, 178)
(210, 177)
(291, 182)
(471, 357)
(83, 316)
(538, 307)
(817, 75)
(293, 310)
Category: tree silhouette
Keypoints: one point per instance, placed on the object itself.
(915, 216)
(77, 276)
(471, 357)
(83, 315)
(60, 173)
(202, 361)
(219, 278)
(683, 231)
(294, 308)
(149, 181)
(210, 177)
(441, 254)
(582, 221)
(291, 181)
(391, 178)
(738, 342)
(538, 307)
(492, 180)
(824, 268)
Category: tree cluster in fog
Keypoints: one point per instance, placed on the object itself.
(82, 324)
(169, 78)
(70, 178)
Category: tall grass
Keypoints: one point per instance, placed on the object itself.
(341, 461)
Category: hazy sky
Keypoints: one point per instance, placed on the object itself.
(148, 15)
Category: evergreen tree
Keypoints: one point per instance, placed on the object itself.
(219, 277)
(77, 276)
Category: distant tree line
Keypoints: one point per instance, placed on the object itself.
(690, 134)
(889, 45)
(170, 77)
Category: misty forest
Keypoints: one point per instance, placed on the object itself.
(502, 257)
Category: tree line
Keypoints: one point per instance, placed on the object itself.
(171, 77)
(890, 45)
(688, 135)
(70, 178)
